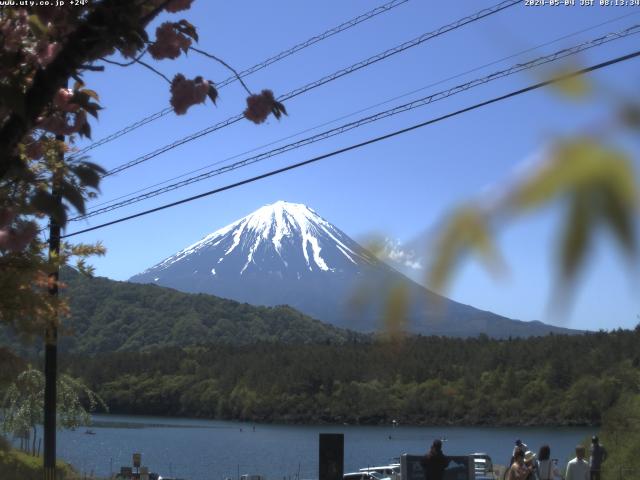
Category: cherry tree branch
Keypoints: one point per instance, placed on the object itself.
(82, 46)
(128, 64)
(225, 64)
(157, 72)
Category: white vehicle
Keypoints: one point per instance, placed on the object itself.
(364, 476)
(391, 471)
(252, 477)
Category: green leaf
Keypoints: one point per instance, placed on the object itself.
(396, 310)
(576, 239)
(619, 214)
(73, 195)
(38, 28)
(43, 202)
(575, 86)
(466, 231)
(91, 93)
(213, 92)
(85, 130)
(88, 173)
(187, 28)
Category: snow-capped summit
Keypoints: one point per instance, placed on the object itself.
(277, 237)
(285, 253)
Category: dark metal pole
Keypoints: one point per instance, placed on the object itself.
(51, 343)
(331, 456)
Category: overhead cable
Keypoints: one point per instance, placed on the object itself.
(326, 79)
(421, 102)
(362, 144)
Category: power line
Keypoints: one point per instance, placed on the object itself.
(361, 110)
(259, 66)
(520, 67)
(367, 142)
(350, 23)
(326, 79)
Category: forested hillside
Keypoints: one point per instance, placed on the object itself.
(107, 316)
(555, 380)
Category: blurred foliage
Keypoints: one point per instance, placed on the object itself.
(562, 380)
(572, 86)
(468, 231)
(591, 178)
(620, 435)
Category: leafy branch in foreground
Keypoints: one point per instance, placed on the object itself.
(23, 405)
(592, 178)
(42, 176)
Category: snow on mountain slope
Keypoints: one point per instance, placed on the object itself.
(285, 253)
(286, 229)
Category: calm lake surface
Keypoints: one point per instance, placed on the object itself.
(215, 450)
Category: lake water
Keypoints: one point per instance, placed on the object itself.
(214, 450)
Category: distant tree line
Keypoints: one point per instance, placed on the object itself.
(556, 380)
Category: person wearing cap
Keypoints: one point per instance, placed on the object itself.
(520, 445)
(597, 457)
(434, 463)
(578, 468)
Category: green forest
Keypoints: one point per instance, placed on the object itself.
(108, 315)
(558, 380)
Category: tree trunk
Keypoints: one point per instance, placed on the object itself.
(33, 445)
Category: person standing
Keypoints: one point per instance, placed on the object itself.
(578, 468)
(597, 457)
(547, 470)
(520, 445)
(518, 469)
(531, 464)
(434, 462)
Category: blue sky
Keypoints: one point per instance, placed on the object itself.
(398, 188)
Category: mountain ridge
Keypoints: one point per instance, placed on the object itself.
(286, 253)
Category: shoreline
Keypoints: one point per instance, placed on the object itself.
(315, 421)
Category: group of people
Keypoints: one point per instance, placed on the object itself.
(526, 465)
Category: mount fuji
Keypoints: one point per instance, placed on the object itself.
(285, 253)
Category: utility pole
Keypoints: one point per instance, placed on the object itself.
(51, 337)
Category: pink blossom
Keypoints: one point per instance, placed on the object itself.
(62, 100)
(54, 124)
(47, 52)
(169, 42)
(16, 240)
(58, 124)
(177, 5)
(5, 238)
(185, 93)
(259, 106)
